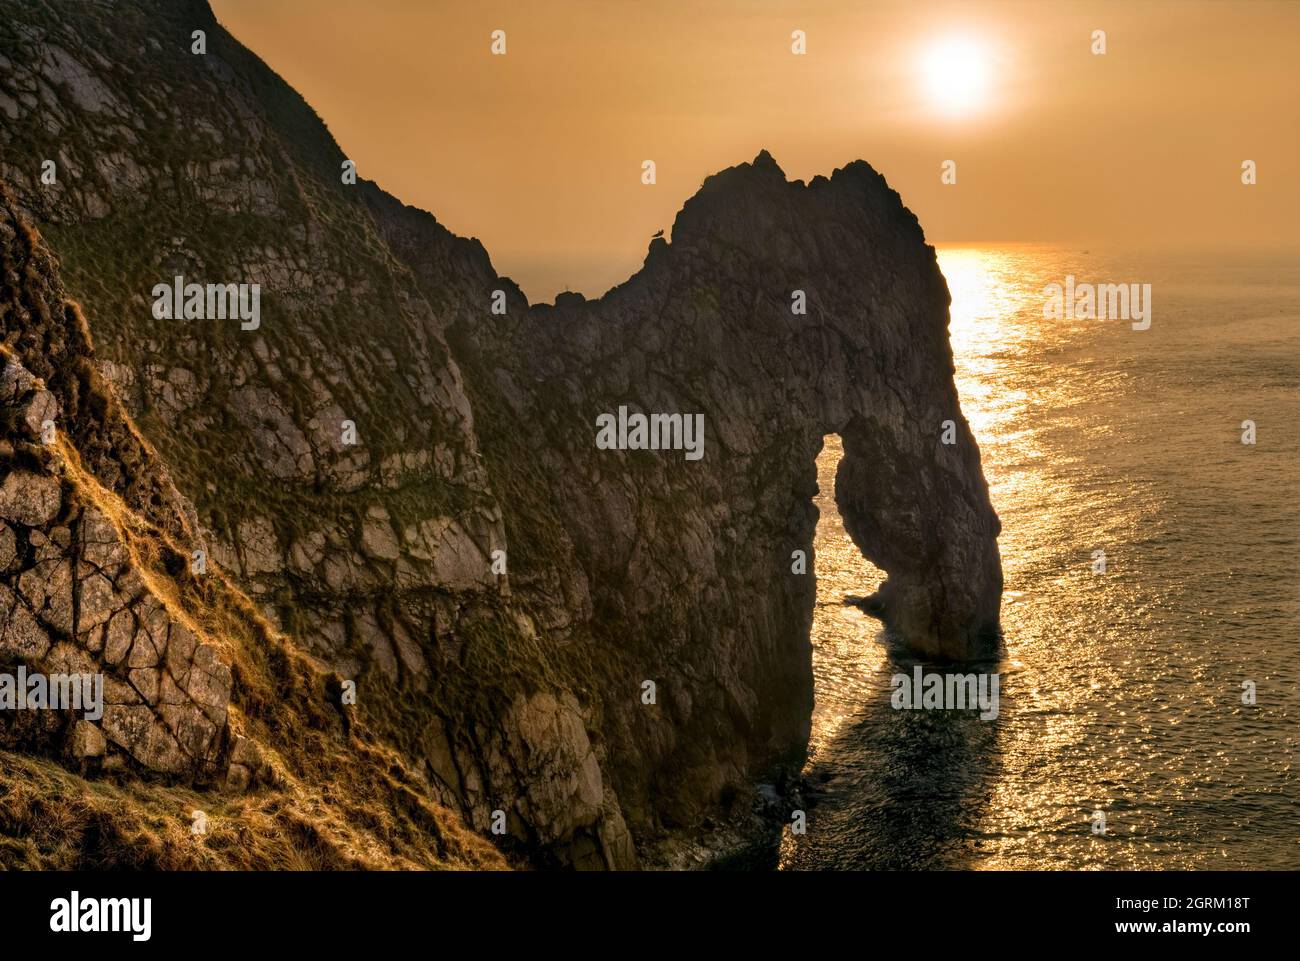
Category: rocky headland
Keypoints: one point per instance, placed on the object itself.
(362, 585)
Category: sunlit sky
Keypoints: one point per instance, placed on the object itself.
(538, 153)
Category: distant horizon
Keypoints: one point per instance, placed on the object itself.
(539, 273)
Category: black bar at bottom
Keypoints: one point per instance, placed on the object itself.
(914, 911)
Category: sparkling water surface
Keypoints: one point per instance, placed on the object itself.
(1121, 693)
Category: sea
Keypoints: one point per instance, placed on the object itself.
(1151, 616)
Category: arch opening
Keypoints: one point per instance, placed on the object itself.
(846, 641)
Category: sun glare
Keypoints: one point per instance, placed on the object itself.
(956, 75)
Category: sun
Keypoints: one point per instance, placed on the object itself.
(955, 71)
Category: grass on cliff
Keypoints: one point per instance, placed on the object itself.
(52, 819)
(338, 800)
(331, 797)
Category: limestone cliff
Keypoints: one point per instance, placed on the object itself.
(213, 742)
(370, 554)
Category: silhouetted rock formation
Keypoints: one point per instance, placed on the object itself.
(476, 433)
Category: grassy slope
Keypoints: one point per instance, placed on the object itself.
(340, 798)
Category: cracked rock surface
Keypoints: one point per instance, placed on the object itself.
(73, 597)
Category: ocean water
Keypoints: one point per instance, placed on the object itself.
(1121, 692)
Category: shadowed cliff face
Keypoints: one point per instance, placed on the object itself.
(709, 326)
(476, 438)
(689, 563)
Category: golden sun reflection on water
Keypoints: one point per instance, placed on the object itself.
(983, 328)
(1121, 692)
(853, 732)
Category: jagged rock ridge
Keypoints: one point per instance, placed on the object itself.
(517, 692)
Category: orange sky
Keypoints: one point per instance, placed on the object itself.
(538, 153)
